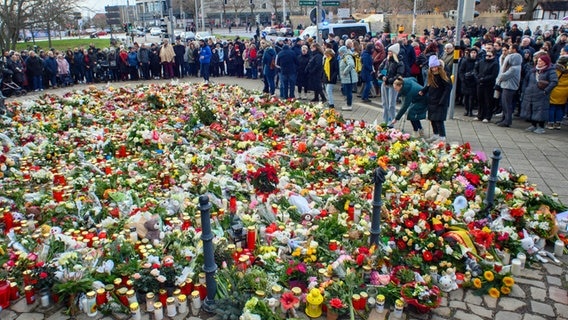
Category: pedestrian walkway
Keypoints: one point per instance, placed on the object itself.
(541, 292)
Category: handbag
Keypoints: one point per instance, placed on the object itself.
(542, 84)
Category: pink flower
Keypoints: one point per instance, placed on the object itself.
(288, 300)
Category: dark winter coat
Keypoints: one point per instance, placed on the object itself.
(393, 69)
(50, 65)
(333, 71)
(314, 70)
(288, 61)
(302, 76)
(413, 103)
(438, 99)
(34, 66)
(486, 71)
(367, 66)
(466, 75)
(536, 101)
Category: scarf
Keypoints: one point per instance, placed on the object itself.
(327, 68)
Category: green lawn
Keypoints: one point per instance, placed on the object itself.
(64, 44)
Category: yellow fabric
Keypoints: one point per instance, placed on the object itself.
(167, 53)
(559, 94)
(327, 68)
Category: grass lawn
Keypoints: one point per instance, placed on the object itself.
(64, 44)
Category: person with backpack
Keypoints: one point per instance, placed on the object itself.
(393, 69)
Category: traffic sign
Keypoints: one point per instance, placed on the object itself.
(308, 2)
(330, 3)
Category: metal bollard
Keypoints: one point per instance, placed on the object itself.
(378, 179)
(492, 181)
(208, 252)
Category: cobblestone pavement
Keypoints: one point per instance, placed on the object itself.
(541, 292)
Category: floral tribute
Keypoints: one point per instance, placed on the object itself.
(99, 189)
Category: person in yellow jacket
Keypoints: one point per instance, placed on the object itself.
(558, 95)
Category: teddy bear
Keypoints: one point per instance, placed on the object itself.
(447, 281)
(153, 232)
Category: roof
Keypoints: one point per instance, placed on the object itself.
(554, 6)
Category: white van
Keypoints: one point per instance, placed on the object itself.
(338, 29)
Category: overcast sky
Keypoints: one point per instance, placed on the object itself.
(98, 6)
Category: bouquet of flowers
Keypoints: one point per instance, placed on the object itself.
(423, 296)
(492, 283)
(265, 178)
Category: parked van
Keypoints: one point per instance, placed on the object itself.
(338, 29)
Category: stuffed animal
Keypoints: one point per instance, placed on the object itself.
(153, 232)
(528, 242)
(447, 281)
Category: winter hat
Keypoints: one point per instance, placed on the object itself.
(395, 48)
(545, 58)
(566, 48)
(563, 60)
(433, 62)
(342, 50)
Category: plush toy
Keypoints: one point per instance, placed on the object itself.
(447, 281)
(153, 232)
(528, 242)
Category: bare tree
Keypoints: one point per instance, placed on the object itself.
(53, 15)
(13, 17)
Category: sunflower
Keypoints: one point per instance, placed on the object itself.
(488, 275)
(508, 281)
(494, 293)
(505, 290)
(476, 283)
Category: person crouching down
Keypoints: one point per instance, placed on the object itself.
(414, 105)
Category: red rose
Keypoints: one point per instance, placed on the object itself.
(409, 224)
(427, 256)
(401, 245)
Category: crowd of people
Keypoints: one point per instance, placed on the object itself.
(501, 72)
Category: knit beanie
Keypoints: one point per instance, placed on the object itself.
(433, 62)
(395, 48)
(342, 50)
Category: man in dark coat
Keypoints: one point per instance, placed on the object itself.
(486, 71)
(34, 67)
(50, 67)
(287, 61)
(179, 50)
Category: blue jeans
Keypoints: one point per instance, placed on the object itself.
(507, 104)
(348, 92)
(388, 94)
(204, 70)
(287, 85)
(555, 112)
(329, 93)
(37, 82)
(269, 78)
(366, 90)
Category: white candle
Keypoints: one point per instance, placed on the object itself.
(523, 258)
(516, 267)
(559, 248)
(506, 257)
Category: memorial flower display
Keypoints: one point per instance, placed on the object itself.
(102, 186)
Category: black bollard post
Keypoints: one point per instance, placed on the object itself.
(208, 252)
(378, 179)
(492, 181)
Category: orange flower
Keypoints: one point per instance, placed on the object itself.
(302, 147)
(476, 283)
(505, 290)
(508, 281)
(488, 275)
(494, 293)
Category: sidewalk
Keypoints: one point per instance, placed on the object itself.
(542, 290)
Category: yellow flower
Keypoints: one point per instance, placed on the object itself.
(476, 283)
(494, 293)
(488, 275)
(505, 290)
(522, 179)
(508, 281)
(297, 252)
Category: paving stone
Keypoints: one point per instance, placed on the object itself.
(8, 315)
(552, 269)
(511, 304)
(555, 281)
(481, 311)
(529, 316)
(466, 315)
(538, 294)
(22, 306)
(561, 310)
(374, 315)
(458, 304)
(535, 283)
(531, 273)
(490, 302)
(507, 315)
(542, 308)
(471, 298)
(558, 294)
(58, 315)
(31, 316)
(442, 312)
(456, 294)
(517, 292)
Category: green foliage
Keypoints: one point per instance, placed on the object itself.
(329, 228)
(254, 279)
(230, 302)
(387, 26)
(203, 110)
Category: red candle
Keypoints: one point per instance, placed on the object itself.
(333, 245)
(4, 294)
(8, 221)
(30, 294)
(108, 170)
(163, 296)
(101, 296)
(202, 291)
(57, 194)
(351, 212)
(14, 291)
(122, 152)
(233, 205)
(251, 238)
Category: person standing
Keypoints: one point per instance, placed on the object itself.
(34, 67)
(466, 76)
(133, 64)
(486, 71)
(204, 60)
(559, 95)
(314, 69)
(302, 76)
(508, 80)
(394, 69)
(537, 86)
(414, 105)
(367, 72)
(330, 73)
(348, 76)
(437, 89)
(144, 60)
(167, 58)
(268, 67)
(287, 62)
(50, 65)
(179, 50)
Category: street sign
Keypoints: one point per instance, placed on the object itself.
(308, 2)
(330, 3)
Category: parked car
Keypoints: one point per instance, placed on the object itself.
(271, 31)
(155, 31)
(286, 32)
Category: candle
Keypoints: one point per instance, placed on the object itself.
(182, 303)
(150, 301)
(171, 307)
(101, 296)
(30, 294)
(91, 304)
(14, 291)
(251, 238)
(135, 311)
(506, 257)
(559, 248)
(158, 312)
(195, 303)
(357, 213)
(398, 307)
(516, 267)
(523, 258)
